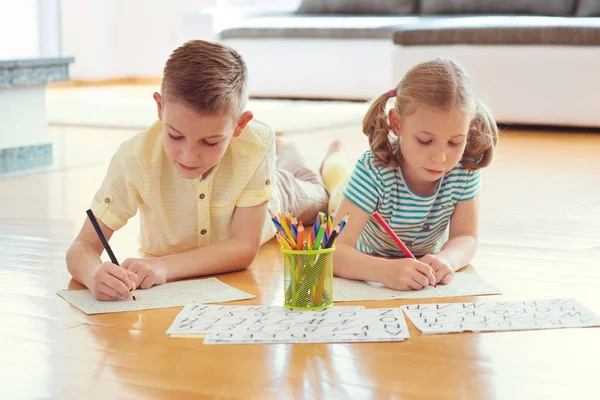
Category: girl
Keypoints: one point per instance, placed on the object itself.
(422, 176)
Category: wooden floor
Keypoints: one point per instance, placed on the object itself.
(540, 238)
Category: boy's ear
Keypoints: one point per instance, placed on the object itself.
(242, 122)
(159, 105)
(395, 121)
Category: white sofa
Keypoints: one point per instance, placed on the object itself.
(530, 69)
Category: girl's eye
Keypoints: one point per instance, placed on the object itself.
(455, 144)
(424, 142)
(175, 137)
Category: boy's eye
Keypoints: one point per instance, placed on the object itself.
(424, 142)
(454, 144)
(211, 144)
(175, 137)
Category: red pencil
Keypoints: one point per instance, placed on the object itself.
(395, 237)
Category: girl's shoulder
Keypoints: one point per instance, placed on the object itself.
(459, 176)
(460, 169)
(368, 161)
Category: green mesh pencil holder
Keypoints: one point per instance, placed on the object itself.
(308, 277)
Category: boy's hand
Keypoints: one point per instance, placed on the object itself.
(149, 271)
(441, 266)
(111, 282)
(407, 274)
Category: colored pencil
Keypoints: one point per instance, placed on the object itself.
(394, 237)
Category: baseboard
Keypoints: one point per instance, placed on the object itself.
(105, 82)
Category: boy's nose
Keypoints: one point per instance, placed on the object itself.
(191, 158)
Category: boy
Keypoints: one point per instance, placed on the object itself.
(202, 177)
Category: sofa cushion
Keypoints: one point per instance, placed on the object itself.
(358, 7)
(295, 26)
(588, 8)
(536, 7)
(501, 30)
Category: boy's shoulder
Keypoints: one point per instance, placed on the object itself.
(144, 146)
(255, 140)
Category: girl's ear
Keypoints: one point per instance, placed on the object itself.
(395, 121)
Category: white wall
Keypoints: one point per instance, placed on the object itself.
(19, 32)
(49, 28)
(119, 39)
(133, 38)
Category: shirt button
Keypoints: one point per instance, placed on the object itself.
(107, 199)
(203, 231)
(201, 196)
(268, 182)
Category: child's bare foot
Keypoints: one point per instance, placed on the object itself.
(334, 147)
(279, 141)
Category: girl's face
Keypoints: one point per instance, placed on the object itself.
(432, 142)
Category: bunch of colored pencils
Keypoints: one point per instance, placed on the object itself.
(292, 236)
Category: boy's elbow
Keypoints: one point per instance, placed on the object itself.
(245, 255)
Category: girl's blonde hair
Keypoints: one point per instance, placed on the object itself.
(439, 83)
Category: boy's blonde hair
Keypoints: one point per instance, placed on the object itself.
(207, 77)
(439, 83)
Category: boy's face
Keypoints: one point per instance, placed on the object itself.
(194, 142)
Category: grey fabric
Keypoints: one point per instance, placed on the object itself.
(358, 7)
(301, 189)
(500, 30)
(319, 27)
(533, 7)
(588, 8)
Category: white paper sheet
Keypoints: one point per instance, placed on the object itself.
(465, 283)
(173, 294)
(245, 325)
(500, 316)
(377, 325)
(196, 319)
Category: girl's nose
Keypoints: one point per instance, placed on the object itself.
(439, 157)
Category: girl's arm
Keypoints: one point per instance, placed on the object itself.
(461, 246)
(403, 274)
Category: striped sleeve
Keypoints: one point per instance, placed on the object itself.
(472, 186)
(365, 183)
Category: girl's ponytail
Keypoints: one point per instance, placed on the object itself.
(482, 139)
(376, 128)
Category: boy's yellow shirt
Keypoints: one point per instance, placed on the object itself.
(178, 214)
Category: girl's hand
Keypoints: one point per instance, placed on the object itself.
(111, 282)
(149, 271)
(408, 274)
(441, 266)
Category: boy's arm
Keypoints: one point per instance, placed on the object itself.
(114, 203)
(233, 254)
(84, 254)
(461, 246)
(106, 281)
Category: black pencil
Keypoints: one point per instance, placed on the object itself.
(109, 251)
(332, 237)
